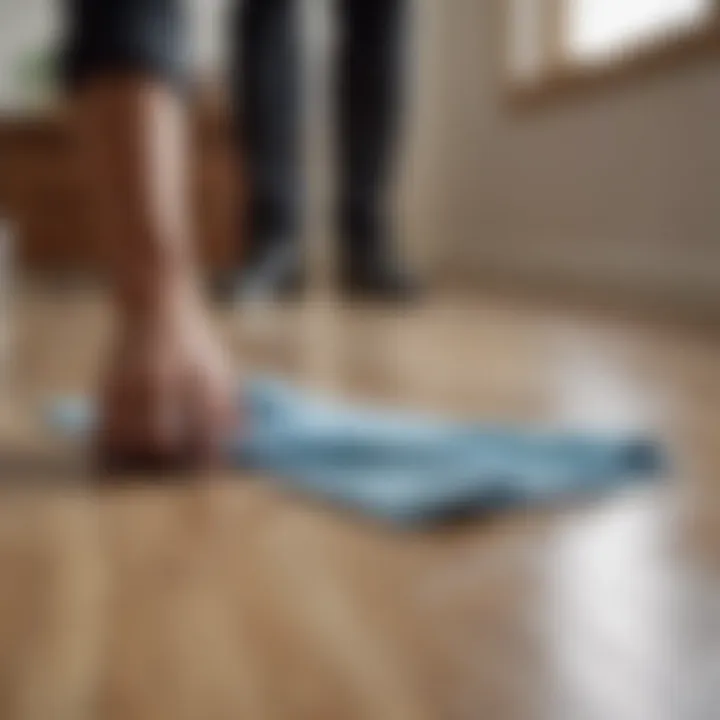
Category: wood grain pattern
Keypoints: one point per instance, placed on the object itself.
(227, 599)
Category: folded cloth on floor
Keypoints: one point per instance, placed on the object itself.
(408, 468)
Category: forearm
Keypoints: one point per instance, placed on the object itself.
(166, 393)
(135, 141)
(124, 61)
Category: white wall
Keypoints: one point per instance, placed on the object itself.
(209, 31)
(25, 25)
(621, 187)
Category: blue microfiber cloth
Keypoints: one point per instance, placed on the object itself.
(407, 468)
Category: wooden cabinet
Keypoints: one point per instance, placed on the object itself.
(41, 193)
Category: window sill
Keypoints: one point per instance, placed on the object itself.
(568, 82)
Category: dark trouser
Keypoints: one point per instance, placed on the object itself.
(149, 36)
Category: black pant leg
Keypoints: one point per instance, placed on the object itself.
(370, 88)
(265, 85)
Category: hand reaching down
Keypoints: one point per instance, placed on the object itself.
(167, 400)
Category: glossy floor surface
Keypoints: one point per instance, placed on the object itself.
(224, 598)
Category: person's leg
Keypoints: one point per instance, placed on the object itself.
(265, 85)
(370, 89)
(167, 391)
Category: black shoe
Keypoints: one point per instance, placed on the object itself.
(275, 274)
(380, 281)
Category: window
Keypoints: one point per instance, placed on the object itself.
(597, 29)
(564, 42)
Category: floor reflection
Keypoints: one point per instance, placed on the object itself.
(610, 615)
